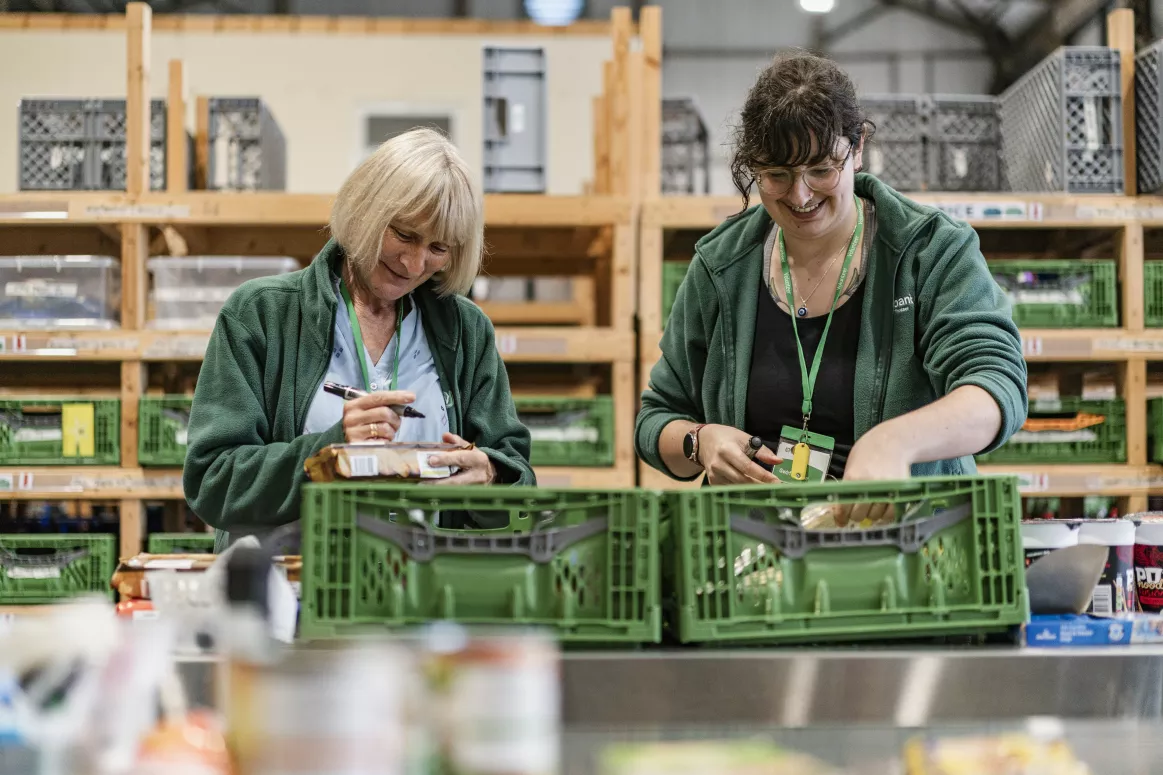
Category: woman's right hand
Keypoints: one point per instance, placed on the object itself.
(370, 417)
(723, 455)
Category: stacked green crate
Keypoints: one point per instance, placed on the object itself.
(44, 568)
(1153, 294)
(569, 431)
(739, 567)
(583, 563)
(673, 273)
(161, 430)
(1105, 442)
(1155, 429)
(60, 431)
(181, 543)
(1060, 294)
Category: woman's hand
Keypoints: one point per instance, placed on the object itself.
(722, 453)
(475, 466)
(370, 417)
(878, 454)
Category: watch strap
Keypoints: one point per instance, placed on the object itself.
(693, 433)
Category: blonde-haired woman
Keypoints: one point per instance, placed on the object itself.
(381, 308)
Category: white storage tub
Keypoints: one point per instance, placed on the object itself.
(187, 293)
(60, 292)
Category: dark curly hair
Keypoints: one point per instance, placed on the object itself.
(798, 98)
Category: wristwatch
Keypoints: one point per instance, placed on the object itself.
(690, 444)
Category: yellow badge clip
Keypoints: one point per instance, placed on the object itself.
(799, 461)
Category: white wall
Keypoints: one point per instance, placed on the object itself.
(714, 57)
(317, 87)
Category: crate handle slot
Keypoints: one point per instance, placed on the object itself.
(794, 541)
(423, 544)
(10, 559)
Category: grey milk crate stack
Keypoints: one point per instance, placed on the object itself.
(79, 144)
(1149, 118)
(514, 120)
(936, 142)
(1062, 124)
(247, 150)
(685, 156)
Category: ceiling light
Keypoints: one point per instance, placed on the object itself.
(553, 13)
(817, 6)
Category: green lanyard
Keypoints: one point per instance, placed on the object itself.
(807, 378)
(358, 334)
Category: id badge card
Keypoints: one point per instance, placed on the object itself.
(806, 455)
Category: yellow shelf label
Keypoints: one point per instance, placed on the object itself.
(77, 431)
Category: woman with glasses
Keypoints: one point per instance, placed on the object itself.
(835, 329)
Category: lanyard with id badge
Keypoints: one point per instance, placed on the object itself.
(806, 455)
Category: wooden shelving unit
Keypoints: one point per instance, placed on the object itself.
(679, 220)
(592, 237)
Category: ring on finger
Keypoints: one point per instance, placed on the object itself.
(374, 430)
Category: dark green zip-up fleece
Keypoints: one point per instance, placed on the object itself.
(266, 360)
(933, 320)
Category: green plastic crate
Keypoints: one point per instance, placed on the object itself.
(1060, 294)
(1155, 428)
(1153, 294)
(31, 433)
(161, 430)
(584, 563)
(1105, 443)
(739, 568)
(673, 273)
(181, 543)
(44, 568)
(569, 431)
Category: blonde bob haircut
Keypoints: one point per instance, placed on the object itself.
(416, 180)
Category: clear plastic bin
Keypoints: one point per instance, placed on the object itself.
(60, 292)
(188, 292)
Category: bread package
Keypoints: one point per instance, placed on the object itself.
(378, 460)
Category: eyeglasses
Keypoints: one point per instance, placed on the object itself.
(777, 181)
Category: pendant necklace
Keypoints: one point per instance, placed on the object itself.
(802, 310)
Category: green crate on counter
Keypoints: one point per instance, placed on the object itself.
(1060, 294)
(739, 567)
(582, 563)
(60, 431)
(1104, 442)
(1155, 429)
(569, 431)
(45, 568)
(673, 273)
(1153, 294)
(161, 430)
(181, 543)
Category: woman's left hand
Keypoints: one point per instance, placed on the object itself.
(475, 466)
(878, 455)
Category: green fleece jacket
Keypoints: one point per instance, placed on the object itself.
(266, 360)
(933, 320)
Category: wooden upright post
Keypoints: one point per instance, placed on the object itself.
(202, 143)
(650, 31)
(1120, 35)
(618, 106)
(139, 20)
(177, 163)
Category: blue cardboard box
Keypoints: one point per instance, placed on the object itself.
(1077, 630)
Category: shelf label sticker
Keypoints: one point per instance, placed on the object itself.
(1000, 210)
(512, 344)
(24, 480)
(1031, 346)
(1130, 345)
(1028, 482)
(507, 344)
(1117, 213)
(119, 212)
(19, 343)
(7, 483)
(34, 572)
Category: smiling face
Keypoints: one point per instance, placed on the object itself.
(408, 258)
(813, 201)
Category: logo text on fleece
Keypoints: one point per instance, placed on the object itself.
(902, 304)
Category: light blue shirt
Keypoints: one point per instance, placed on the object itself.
(417, 374)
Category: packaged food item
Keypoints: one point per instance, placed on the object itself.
(1041, 537)
(1115, 592)
(735, 757)
(131, 579)
(1015, 754)
(1149, 566)
(378, 460)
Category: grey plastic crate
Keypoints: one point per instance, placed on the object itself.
(514, 120)
(896, 153)
(964, 143)
(1149, 118)
(71, 144)
(1062, 124)
(247, 149)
